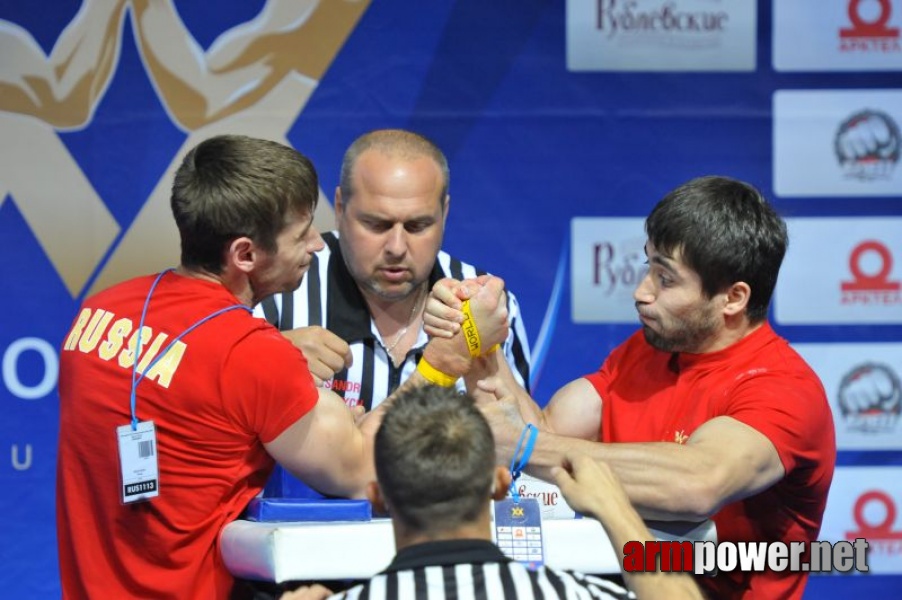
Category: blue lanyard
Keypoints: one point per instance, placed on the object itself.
(135, 378)
(517, 465)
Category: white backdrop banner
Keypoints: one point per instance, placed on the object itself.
(835, 35)
(837, 142)
(863, 385)
(607, 260)
(661, 35)
(864, 503)
(841, 271)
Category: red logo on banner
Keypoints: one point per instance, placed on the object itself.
(880, 535)
(874, 288)
(870, 35)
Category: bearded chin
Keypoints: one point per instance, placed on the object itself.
(684, 338)
(659, 342)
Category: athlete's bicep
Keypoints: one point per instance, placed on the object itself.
(325, 449)
(747, 462)
(575, 411)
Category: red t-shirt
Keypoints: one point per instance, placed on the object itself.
(234, 384)
(653, 396)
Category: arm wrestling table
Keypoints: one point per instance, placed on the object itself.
(295, 551)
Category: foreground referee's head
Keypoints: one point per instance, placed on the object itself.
(435, 464)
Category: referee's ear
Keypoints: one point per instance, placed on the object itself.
(374, 495)
(501, 481)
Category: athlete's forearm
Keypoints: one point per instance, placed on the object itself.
(664, 481)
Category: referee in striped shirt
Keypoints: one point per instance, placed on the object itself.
(357, 316)
(436, 473)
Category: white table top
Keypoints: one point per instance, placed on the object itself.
(280, 552)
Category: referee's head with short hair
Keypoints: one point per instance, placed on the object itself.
(435, 465)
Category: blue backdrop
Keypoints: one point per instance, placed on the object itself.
(532, 145)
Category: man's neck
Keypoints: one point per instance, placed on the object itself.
(397, 320)
(394, 313)
(237, 285)
(405, 537)
(733, 331)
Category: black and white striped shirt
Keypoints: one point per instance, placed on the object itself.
(330, 298)
(475, 570)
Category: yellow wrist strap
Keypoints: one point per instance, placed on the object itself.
(471, 333)
(433, 375)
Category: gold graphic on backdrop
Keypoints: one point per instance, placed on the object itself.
(255, 79)
(38, 95)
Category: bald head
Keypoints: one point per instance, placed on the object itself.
(393, 143)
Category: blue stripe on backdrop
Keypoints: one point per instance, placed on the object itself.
(531, 145)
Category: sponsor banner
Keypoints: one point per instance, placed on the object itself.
(846, 35)
(841, 271)
(863, 386)
(551, 500)
(607, 261)
(864, 502)
(837, 142)
(661, 35)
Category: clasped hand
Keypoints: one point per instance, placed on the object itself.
(448, 348)
(488, 305)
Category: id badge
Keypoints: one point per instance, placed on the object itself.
(518, 530)
(138, 462)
